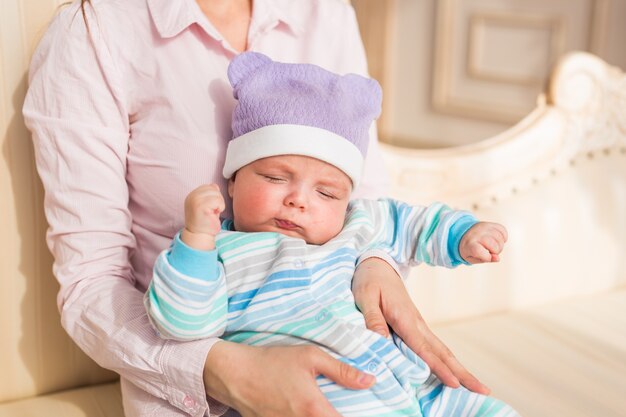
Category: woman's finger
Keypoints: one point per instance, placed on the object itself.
(342, 373)
(442, 362)
(465, 377)
(416, 334)
(369, 304)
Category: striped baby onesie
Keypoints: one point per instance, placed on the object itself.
(266, 288)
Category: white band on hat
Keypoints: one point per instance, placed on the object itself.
(288, 139)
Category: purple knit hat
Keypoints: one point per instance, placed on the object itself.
(299, 109)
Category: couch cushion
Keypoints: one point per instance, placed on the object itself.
(102, 400)
(562, 359)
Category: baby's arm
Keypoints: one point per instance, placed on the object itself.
(435, 234)
(187, 297)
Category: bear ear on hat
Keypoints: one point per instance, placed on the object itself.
(366, 92)
(245, 64)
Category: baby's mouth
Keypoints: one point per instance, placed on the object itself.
(286, 224)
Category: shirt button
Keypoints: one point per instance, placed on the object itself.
(189, 402)
(321, 315)
(298, 263)
(372, 366)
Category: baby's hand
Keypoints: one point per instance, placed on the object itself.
(483, 242)
(202, 217)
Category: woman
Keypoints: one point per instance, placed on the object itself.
(129, 109)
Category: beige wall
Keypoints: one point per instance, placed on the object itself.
(45, 359)
(458, 71)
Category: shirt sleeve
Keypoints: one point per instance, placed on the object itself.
(187, 298)
(75, 109)
(416, 234)
(381, 254)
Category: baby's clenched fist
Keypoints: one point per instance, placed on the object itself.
(483, 242)
(203, 207)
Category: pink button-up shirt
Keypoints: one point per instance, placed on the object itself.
(128, 116)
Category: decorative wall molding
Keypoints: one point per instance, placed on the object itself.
(450, 89)
(581, 117)
(480, 23)
(600, 23)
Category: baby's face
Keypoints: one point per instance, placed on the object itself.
(294, 195)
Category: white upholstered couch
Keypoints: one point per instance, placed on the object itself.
(545, 328)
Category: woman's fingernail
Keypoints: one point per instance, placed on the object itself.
(366, 379)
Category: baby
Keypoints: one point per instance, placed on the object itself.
(279, 272)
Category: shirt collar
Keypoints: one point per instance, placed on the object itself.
(285, 11)
(171, 17)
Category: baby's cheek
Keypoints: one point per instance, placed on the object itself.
(256, 201)
(337, 228)
(327, 228)
(261, 199)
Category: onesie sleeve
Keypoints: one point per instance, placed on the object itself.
(187, 297)
(415, 234)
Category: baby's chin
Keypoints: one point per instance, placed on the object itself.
(295, 233)
(273, 229)
(310, 240)
(298, 234)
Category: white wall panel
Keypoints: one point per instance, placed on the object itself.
(492, 57)
(458, 71)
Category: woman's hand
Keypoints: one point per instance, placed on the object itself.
(381, 296)
(276, 381)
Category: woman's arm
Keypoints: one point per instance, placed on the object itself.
(75, 109)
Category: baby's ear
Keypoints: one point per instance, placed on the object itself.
(245, 64)
(231, 185)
